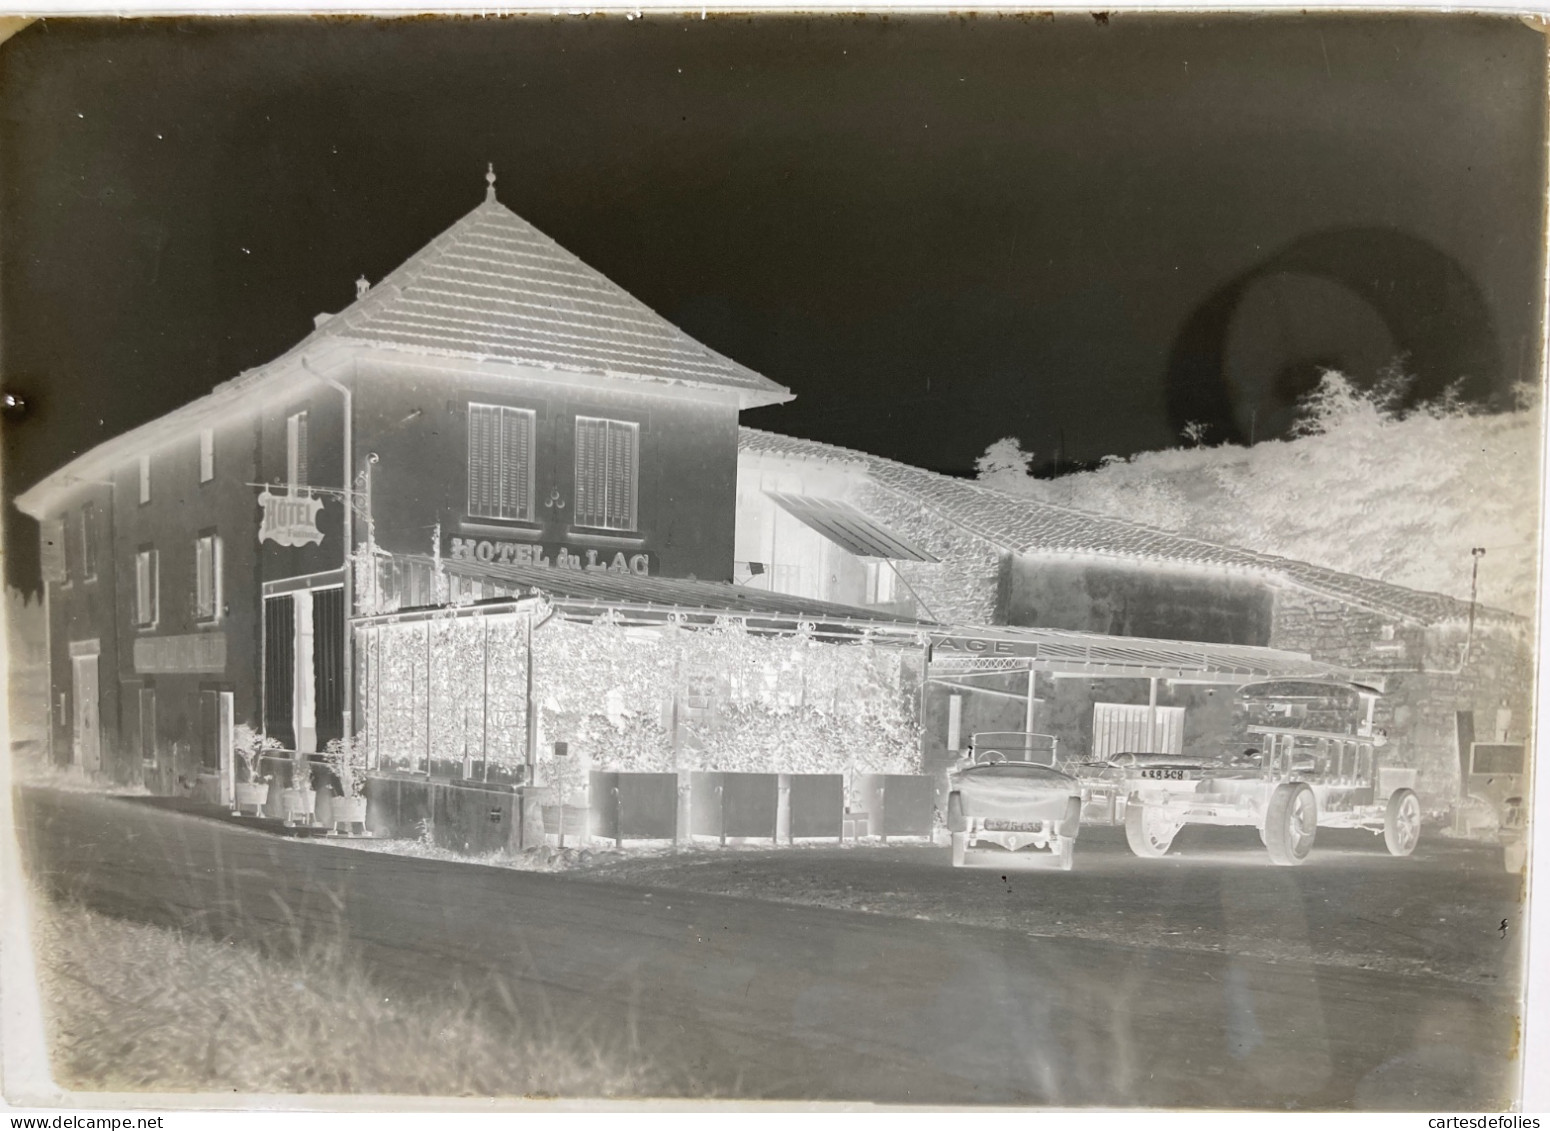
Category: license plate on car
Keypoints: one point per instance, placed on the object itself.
(1163, 773)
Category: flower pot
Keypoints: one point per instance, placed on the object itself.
(323, 806)
(349, 814)
(251, 796)
(274, 800)
(297, 806)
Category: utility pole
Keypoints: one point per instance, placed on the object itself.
(1477, 553)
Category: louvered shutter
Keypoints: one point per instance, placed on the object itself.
(480, 459)
(590, 455)
(621, 476)
(516, 461)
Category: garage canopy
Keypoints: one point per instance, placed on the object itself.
(849, 528)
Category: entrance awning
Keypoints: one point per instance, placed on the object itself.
(849, 528)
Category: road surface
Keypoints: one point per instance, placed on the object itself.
(746, 998)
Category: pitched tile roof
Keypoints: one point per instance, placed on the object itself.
(494, 286)
(1031, 526)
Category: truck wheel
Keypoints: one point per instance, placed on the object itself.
(1291, 821)
(1065, 852)
(1148, 831)
(1402, 822)
(960, 848)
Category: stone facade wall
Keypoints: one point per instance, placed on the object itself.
(964, 586)
(1428, 676)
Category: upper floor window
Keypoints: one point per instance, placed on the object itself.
(145, 479)
(207, 576)
(145, 588)
(296, 449)
(89, 541)
(500, 462)
(206, 454)
(606, 472)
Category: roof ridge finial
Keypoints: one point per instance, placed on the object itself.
(489, 181)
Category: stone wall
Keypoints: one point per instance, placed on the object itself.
(963, 587)
(1429, 675)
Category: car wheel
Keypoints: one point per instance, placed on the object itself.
(955, 818)
(1148, 830)
(1290, 823)
(1065, 852)
(1514, 856)
(960, 848)
(1402, 822)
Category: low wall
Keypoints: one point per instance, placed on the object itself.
(467, 817)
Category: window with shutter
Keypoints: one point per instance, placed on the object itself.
(606, 473)
(206, 455)
(89, 541)
(52, 548)
(207, 577)
(145, 588)
(500, 462)
(145, 479)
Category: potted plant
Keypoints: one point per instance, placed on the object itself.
(298, 798)
(347, 758)
(253, 783)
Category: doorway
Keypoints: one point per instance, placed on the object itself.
(86, 744)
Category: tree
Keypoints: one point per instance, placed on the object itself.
(1004, 465)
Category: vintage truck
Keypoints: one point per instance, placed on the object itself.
(1302, 754)
(1007, 792)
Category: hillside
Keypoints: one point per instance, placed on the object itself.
(1363, 488)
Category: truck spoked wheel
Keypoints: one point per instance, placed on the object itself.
(1291, 821)
(1148, 830)
(1402, 822)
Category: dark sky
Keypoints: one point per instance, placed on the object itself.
(936, 231)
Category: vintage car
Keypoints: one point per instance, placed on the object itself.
(1303, 754)
(1007, 792)
(1491, 807)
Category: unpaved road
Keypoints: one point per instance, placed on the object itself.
(753, 998)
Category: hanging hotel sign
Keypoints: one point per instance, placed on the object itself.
(290, 520)
(548, 557)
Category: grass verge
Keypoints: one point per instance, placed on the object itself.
(131, 1007)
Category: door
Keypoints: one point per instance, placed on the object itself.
(86, 748)
(280, 669)
(148, 727)
(1126, 728)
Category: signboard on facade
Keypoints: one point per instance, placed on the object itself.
(202, 653)
(290, 520)
(977, 646)
(548, 556)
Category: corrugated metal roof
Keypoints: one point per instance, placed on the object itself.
(849, 528)
(1033, 527)
(627, 589)
(494, 286)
